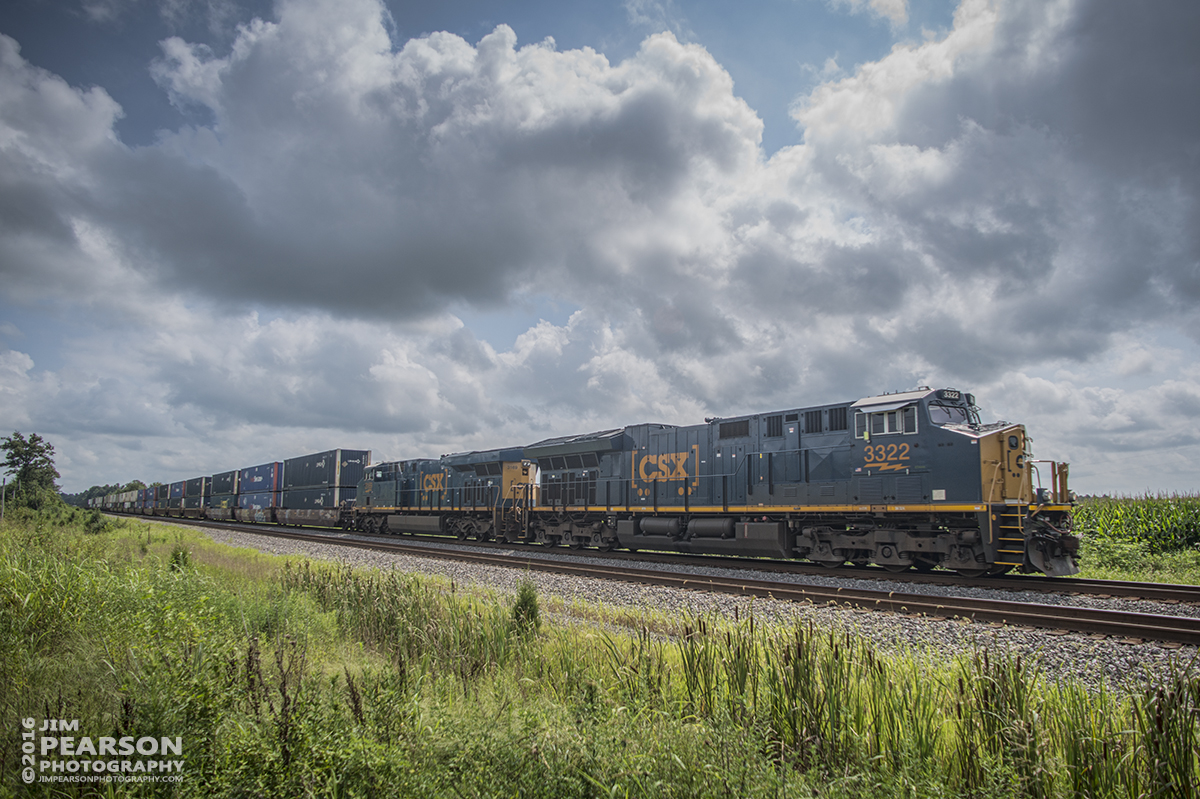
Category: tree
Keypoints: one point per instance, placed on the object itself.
(31, 463)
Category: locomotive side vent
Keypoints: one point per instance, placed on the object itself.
(735, 429)
(870, 489)
(908, 489)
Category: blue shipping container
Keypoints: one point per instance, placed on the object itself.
(326, 498)
(177, 490)
(257, 479)
(225, 483)
(259, 501)
(336, 467)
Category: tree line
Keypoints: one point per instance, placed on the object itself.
(33, 479)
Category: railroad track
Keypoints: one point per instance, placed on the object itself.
(1123, 624)
(1155, 592)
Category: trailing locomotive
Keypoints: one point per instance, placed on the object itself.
(908, 480)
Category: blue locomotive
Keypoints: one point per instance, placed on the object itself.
(907, 480)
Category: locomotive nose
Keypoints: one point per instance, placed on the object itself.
(1003, 467)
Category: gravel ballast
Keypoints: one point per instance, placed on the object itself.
(1095, 660)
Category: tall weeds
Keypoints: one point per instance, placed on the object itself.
(415, 623)
(1167, 720)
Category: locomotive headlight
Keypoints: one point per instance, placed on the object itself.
(1013, 442)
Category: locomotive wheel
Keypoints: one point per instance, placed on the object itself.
(971, 573)
(831, 564)
(996, 571)
(895, 568)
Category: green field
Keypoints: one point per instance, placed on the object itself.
(283, 677)
(1154, 537)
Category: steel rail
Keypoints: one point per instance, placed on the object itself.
(1178, 629)
(1155, 592)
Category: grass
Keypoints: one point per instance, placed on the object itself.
(286, 677)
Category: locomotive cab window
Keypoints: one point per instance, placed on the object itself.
(883, 423)
(947, 414)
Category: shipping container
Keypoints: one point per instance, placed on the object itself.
(224, 483)
(175, 503)
(336, 467)
(221, 514)
(257, 479)
(177, 490)
(317, 497)
(258, 501)
(124, 500)
(193, 502)
(222, 501)
(196, 486)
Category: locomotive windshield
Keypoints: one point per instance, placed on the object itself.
(947, 414)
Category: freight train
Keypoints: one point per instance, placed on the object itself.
(911, 480)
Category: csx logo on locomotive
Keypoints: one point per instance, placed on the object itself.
(433, 482)
(668, 466)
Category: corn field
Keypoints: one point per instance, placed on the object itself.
(1158, 522)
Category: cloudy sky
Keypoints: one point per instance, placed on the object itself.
(232, 232)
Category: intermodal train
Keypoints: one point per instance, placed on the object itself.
(909, 480)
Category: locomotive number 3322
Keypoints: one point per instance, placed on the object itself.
(886, 456)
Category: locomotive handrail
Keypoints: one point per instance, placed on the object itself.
(1058, 479)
